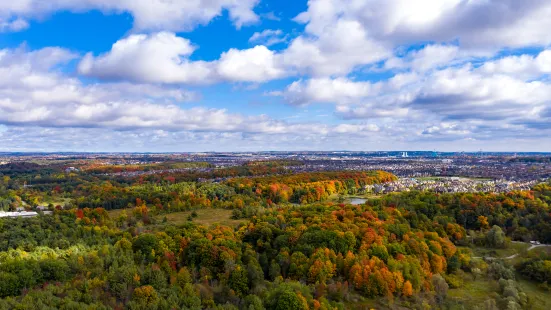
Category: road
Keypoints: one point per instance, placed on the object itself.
(532, 246)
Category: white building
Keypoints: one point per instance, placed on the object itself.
(17, 214)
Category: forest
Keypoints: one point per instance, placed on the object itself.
(290, 241)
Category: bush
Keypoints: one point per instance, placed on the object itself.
(454, 281)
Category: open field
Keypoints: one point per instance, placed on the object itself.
(116, 213)
(474, 292)
(347, 198)
(60, 202)
(204, 217)
(514, 248)
(539, 298)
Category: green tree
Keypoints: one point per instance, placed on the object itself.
(238, 281)
(496, 237)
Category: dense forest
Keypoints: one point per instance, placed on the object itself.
(292, 242)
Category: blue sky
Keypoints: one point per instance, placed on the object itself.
(260, 75)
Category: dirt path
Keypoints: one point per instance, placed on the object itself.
(533, 246)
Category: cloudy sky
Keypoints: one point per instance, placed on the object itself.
(258, 75)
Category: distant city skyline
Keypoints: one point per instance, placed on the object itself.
(257, 75)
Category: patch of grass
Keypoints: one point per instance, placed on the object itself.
(60, 202)
(539, 298)
(205, 217)
(347, 198)
(474, 292)
(429, 178)
(543, 252)
(113, 214)
(512, 249)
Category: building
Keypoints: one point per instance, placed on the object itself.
(71, 169)
(17, 214)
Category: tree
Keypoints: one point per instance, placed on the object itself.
(9, 285)
(407, 289)
(440, 287)
(285, 298)
(238, 281)
(483, 222)
(253, 302)
(183, 277)
(146, 244)
(145, 297)
(275, 270)
(490, 304)
(496, 237)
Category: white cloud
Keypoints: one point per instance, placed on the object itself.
(497, 99)
(464, 94)
(328, 91)
(430, 57)
(522, 66)
(33, 93)
(355, 128)
(271, 16)
(176, 15)
(342, 90)
(455, 87)
(337, 50)
(159, 57)
(15, 25)
(268, 37)
(164, 58)
(257, 64)
(476, 24)
(342, 35)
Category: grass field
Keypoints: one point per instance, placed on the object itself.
(61, 202)
(514, 248)
(204, 217)
(539, 298)
(113, 214)
(429, 178)
(347, 198)
(474, 292)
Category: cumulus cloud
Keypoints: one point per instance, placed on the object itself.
(15, 25)
(408, 70)
(522, 66)
(341, 36)
(257, 64)
(164, 58)
(328, 91)
(500, 98)
(34, 94)
(178, 15)
(342, 90)
(268, 37)
(465, 93)
(475, 24)
(336, 50)
(430, 57)
(160, 57)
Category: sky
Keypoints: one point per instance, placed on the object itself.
(275, 75)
